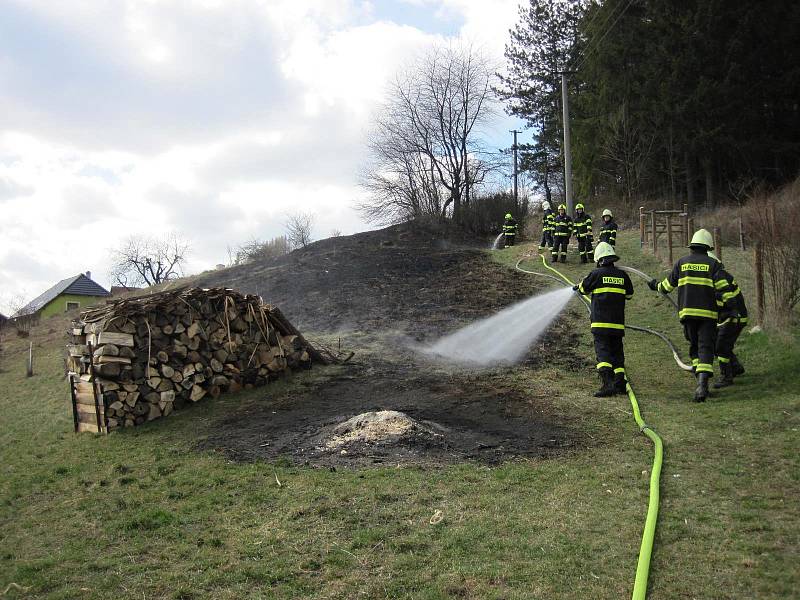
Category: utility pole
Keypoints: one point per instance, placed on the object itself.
(567, 149)
(516, 196)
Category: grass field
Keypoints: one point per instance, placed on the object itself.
(143, 514)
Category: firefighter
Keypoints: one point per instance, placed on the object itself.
(547, 227)
(562, 231)
(609, 288)
(583, 231)
(731, 322)
(510, 229)
(608, 230)
(698, 277)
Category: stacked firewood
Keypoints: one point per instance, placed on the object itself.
(137, 359)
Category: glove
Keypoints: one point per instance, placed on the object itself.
(652, 284)
(574, 288)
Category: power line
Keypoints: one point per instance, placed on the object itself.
(591, 48)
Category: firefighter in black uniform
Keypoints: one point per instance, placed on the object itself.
(510, 229)
(547, 227)
(562, 231)
(608, 230)
(609, 288)
(583, 231)
(697, 277)
(731, 322)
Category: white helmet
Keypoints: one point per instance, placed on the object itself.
(545, 205)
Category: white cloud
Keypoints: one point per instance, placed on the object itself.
(214, 118)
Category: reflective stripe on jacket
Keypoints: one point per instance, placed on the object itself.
(698, 278)
(510, 227)
(609, 288)
(583, 225)
(547, 220)
(562, 225)
(608, 232)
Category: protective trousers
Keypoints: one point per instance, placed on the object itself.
(609, 351)
(727, 334)
(547, 240)
(585, 248)
(560, 243)
(702, 337)
(510, 239)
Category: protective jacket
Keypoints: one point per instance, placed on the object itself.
(730, 301)
(609, 288)
(547, 220)
(562, 226)
(608, 232)
(510, 227)
(583, 225)
(698, 278)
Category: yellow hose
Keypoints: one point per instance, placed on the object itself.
(646, 548)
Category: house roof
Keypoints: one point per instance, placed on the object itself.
(3, 318)
(79, 285)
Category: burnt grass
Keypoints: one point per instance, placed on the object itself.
(382, 292)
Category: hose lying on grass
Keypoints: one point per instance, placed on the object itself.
(646, 548)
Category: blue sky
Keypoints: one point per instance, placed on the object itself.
(211, 118)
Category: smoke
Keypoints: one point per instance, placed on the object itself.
(504, 338)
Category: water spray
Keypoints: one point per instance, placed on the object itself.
(496, 243)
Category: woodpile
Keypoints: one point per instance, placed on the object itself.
(137, 359)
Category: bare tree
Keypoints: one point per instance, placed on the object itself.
(146, 260)
(298, 229)
(425, 148)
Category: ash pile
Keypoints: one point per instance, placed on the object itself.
(134, 360)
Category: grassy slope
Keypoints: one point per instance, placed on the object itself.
(141, 514)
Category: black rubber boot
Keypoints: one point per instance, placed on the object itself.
(583, 258)
(619, 383)
(727, 376)
(736, 367)
(701, 391)
(554, 258)
(563, 258)
(607, 388)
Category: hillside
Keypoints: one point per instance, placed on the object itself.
(537, 489)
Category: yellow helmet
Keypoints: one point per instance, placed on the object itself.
(562, 207)
(604, 250)
(702, 237)
(579, 206)
(508, 216)
(607, 213)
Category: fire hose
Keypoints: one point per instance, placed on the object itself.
(646, 548)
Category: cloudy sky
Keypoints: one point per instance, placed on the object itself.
(211, 118)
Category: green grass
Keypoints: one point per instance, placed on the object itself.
(142, 514)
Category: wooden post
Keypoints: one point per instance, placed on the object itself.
(94, 388)
(642, 228)
(741, 235)
(74, 401)
(669, 236)
(29, 370)
(653, 233)
(759, 267)
(718, 242)
(685, 223)
(690, 230)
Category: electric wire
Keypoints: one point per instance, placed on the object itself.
(597, 45)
